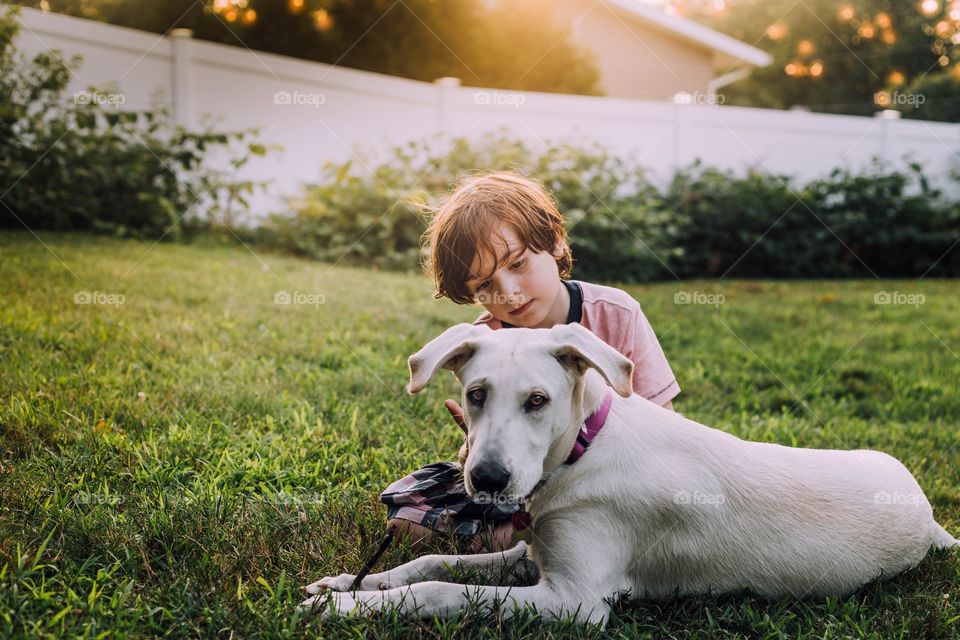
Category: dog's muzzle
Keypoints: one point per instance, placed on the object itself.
(489, 477)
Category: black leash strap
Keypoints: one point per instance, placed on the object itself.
(371, 561)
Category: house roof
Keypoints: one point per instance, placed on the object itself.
(727, 51)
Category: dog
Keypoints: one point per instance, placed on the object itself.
(657, 505)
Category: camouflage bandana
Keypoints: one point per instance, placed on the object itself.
(436, 497)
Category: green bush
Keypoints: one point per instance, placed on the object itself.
(879, 223)
(704, 223)
(896, 223)
(613, 216)
(718, 220)
(82, 163)
(376, 217)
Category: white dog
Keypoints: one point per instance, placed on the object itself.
(657, 506)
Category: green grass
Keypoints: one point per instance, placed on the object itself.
(184, 462)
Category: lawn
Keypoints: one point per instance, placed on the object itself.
(181, 454)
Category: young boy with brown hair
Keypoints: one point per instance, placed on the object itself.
(500, 241)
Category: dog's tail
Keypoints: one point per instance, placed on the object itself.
(942, 539)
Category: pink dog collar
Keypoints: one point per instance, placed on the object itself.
(591, 427)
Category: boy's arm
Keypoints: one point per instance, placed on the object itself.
(457, 414)
(652, 376)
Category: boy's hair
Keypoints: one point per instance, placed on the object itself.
(466, 225)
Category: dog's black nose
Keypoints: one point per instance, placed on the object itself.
(489, 477)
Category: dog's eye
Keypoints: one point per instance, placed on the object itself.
(477, 396)
(535, 401)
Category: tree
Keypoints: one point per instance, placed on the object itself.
(503, 44)
(847, 56)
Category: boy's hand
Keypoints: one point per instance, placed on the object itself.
(457, 413)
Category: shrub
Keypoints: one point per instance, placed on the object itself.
(82, 163)
(703, 223)
(880, 222)
(376, 217)
(896, 223)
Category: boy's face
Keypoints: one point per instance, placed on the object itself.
(518, 285)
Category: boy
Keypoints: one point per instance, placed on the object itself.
(501, 241)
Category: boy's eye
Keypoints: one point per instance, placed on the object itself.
(517, 264)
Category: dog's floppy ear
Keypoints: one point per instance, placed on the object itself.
(578, 347)
(449, 350)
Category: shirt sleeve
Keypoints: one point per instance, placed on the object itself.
(652, 376)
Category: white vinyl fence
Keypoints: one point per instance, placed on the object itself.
(319, 112)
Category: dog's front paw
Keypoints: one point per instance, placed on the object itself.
(342, 582)
(329, 604)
